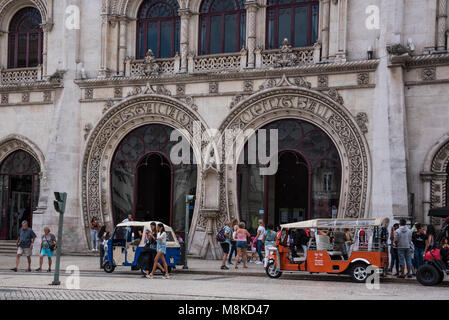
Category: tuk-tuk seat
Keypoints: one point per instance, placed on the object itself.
(323, 243)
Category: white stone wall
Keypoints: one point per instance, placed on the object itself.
(406, 114)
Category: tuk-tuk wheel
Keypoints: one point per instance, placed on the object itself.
(429, 275)
(358, 272)
(271, 270)
(108, 267)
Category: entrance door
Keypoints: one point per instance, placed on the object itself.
(19, 192)
(291, 189)
(154, 189)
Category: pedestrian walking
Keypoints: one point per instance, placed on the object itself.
(394, 256)
(269, 238)
(161, 247)
(24, 245)
(419, 241)
(48, 247)
(235, 226)
(403, 240)
(258, 239)
(226, 244)
(101, 241)
(94, 227)
(430, 241)
(242, 244)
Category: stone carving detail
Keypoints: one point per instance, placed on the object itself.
(235, 100)
(286, 57)
(429, 73)
(25, 97)
(89, 94)
(362, 120)
(5, 98)
(151, 67)
(287, 101)
(333, 93)
(114, 125)
(149, 89)
(323, 81)
(108, 105)
(397, 50)
(439, 177)
(18, 76)
(87, 130)
(118, 92)
(363, 78)
(189, 101)
(301, 56)
(213, 87)
(47, 96)
(248, 86)
(180, 89)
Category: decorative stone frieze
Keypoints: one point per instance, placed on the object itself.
(213, 87)
(362, 120)
(118, 92)
(5, 98)
(323, 81)
(89, 94)
(363, 78)
(25, 97)
(429, 73)
(283, 99)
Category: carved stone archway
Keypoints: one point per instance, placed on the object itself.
(435, 175)
(15, 142)
(286, 99)
(117, 122)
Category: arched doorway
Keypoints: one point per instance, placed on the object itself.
(306, 185)
(19, 192)
(145, 182)
(154, 188)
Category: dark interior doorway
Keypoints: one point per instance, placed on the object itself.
(154, 189)
(291, 188)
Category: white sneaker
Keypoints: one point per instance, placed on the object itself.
(258, 262)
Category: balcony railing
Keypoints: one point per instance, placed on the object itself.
(20, 75)
(218, 62)
(284, 57)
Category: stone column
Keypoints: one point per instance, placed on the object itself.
(325, 7)
(46, 28)
(123, 22)
(441, 25)
(426, 203)
(184, 41)
(251, 12)
(342, 30)
(102, 73)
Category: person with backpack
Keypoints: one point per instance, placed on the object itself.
(224, 238)
(48, 247)
(269, 238)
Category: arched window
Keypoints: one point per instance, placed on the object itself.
(158, 28)
(222, 26)
(25, 39)
(295, 20)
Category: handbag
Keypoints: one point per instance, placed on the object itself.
(50, 246)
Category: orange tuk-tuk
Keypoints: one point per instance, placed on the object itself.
(336, 246)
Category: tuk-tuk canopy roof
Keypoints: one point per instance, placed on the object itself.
(337, 223)
(145, 224)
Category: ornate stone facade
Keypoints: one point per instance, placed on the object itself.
(386, 113)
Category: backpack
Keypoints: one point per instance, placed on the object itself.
(221, 235)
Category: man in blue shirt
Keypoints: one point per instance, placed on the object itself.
(24, 245)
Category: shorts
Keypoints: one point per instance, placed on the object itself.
(225, 246)
(162, 247)
(47, 252)
(24, 251)
(404, 257)
(242, 244)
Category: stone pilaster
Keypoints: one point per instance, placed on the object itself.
(46, 28)
(441, 25)
(102, 73)
(324, 28)
(184, 41)
(251, 13)
(123, 23)
(342, 30)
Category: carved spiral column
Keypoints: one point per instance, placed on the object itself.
(123, 22)
(251, 11)
(325, 7)
(441, 27)
(185, 16)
